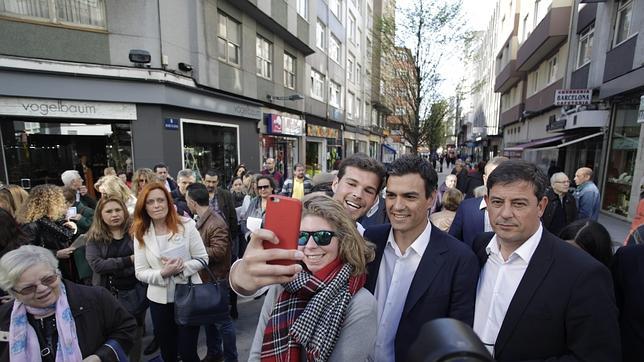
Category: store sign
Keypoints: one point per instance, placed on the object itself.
(277, 124)
(321, 131)
(640, 114)
(573, 97)
(58, 108)
(171, 123)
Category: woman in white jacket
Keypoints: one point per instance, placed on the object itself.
(165, 251)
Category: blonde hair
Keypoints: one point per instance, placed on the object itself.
(13, 197)
(147, 174)
(43, 201)
(113, 186)
(354, 250)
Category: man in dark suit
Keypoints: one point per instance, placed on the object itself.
(562, 206)
(538, 298)
(471, 215)
(420, 273)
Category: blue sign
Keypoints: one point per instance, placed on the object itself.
(171, 123)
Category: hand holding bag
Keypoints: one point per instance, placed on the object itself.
(200, 304)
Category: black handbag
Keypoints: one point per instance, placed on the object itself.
(200, 304)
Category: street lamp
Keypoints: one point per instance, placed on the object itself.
(292, 97)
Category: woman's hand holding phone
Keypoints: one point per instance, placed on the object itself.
(253, 271)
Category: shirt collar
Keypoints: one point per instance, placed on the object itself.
(419, 245)
(525, 251)
(483, 204)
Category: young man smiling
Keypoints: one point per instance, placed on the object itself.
(420, 273)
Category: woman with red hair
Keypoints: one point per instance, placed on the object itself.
(166, 249)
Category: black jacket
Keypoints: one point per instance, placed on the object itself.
(98, 317)
(570, 210)
(181, 203)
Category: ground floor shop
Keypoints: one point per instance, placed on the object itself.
(283, 140)
(323, 148)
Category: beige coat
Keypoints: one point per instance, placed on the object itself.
(147, 262)
(443, 219)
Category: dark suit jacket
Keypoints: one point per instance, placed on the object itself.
(563, 310)
(444, 284)
(628, 272)
(469, 221)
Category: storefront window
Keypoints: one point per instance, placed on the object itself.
(38, 152)
(314, 153)
(621, 160)
(283, 150)
(209, 146)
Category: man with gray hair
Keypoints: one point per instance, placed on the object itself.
(72, 179)
(562, 207)
(185, 178)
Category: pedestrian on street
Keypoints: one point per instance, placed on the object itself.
(158, 230)
(110, 254)
(142, 177)
(587, 194)
(443, 219)
(55, 319)
(323, 313)
(214, 234)
(71, 178)
(272, 171)
(299, 185)
(562, 206)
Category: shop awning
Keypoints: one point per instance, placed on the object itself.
(580, 139)
(534, 144)
(389, 148)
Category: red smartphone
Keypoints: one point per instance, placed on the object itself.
(282, 217)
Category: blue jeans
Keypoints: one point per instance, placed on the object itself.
(222, 328)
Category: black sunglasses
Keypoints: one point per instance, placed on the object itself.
(263, 187)
(321, 237)
(47, 281)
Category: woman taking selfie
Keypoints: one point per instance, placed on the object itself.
(257, 206)
(325, 313)
(52, 319)
(165, 249)
(110, 254)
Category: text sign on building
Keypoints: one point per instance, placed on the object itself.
(171, 123)
(573, 97)
(321, 131)
(278, 124)
(58, 108)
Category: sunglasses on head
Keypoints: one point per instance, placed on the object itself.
(321, 237)
(262, 187)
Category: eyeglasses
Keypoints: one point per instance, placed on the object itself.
(321, 237)
(48, 281)
(263, 187)
(562, 182)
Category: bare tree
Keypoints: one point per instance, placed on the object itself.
(413, 51)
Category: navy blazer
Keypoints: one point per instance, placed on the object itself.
(628, 274)
(563, 310)
(444, 284)
(469, 221)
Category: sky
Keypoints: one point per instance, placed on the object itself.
(477, 14)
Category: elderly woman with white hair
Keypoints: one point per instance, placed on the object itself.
(71, 178)
(53, 319)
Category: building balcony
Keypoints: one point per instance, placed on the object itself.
(551, 32)
(511, 115)
(579, 79)
(507, 77)
(544, 98)
(619, 60)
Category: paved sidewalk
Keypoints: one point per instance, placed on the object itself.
(617, 228)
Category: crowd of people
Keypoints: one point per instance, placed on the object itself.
(514, 253)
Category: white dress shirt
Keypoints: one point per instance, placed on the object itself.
(395, 275)
(486, 217)
(360, 228)
(498, 282)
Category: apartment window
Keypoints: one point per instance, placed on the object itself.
(358, 38)
(289, 71)
(525, 30)
(317, 85)
(350, 101)
(302, 8)
(352, 27)
(358, 113)
(585, 46)
(552, 69)
(535, 81)
(228, 39)
(320, 35)
(336, 8)
(369, 18)
(83, 13)
(264, 57)
(335, 94)
(334, 49)
(358, 74)
(623, 21)
(350, 64)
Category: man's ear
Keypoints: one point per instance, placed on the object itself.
(334, 185)
(542, 205)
